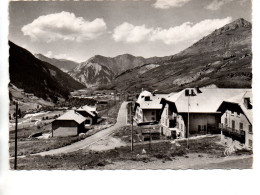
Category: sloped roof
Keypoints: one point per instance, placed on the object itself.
(153, 103)
(88, 109)
(239, 99)
(72, 115)
(207, 101)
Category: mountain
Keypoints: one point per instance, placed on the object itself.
(40, 78)
(223, 59)
(62, 64)
(92, 74)
(100, 70)
(119, 63)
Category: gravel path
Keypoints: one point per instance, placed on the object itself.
(121, 121)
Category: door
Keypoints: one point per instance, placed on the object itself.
(173, 134)
(199, 128)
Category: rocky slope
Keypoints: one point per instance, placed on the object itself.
(92, 74)
(64, 65)
(101, 70)
(40, 78)
(223, 59)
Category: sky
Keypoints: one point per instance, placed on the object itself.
(80, 30)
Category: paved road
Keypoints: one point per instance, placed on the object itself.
(121, 121)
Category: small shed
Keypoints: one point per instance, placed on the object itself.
(69, 124)
(90, 113)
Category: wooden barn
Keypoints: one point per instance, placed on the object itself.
(69, 124)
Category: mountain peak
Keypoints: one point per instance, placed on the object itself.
(239, 23)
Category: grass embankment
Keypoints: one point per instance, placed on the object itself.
(124, 133)
(109, 112)
(33, 145)
(28, 146)
(164, 151)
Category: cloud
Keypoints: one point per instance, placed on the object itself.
(63, 26)
(129, 33)
(50, 54)
(217, 4)
(165, 4)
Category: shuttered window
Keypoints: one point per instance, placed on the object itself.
(233, 124)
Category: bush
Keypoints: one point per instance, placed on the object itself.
(179, 152)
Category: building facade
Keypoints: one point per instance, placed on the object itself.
(90, 113)
(69, 124)
(236, 121)
(193, 111)
(147, 107)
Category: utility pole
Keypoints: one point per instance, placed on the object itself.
(150, 139)
(132, 132)
(188, 129)
(16, 123)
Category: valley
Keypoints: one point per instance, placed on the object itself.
(89, 101)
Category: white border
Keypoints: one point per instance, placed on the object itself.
(125, 182)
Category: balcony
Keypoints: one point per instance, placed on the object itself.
(238, 135)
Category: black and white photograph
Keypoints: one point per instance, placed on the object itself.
(121, 85)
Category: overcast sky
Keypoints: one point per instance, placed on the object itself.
(80, 30)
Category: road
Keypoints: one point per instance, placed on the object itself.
(121, 121)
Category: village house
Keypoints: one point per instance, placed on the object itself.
(237, 120)
(90, 113)
(193, 107)
(69, 124)
(147, 107)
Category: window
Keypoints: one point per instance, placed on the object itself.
(225, 121)
(87, 121)
(153, 118)
(250, 143)
(233, 124)
(187, 92)
(153, 113)
(172, 123)
(250, 129)
(232, 113)
(147, 98)
(240, 126)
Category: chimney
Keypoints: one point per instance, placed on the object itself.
(187, 92)
(247, 103)
(198, 90)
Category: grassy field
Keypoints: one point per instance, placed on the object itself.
(33, 145)
(164, 151)
(110, 111)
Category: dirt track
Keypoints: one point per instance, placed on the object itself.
(121, 121)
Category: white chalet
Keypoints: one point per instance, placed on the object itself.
(148, 107)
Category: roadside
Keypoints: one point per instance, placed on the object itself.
(204, 152)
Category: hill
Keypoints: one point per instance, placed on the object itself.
(62, 64)
(40, 78)
(223, 59)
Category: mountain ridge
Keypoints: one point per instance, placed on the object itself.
(40, 78)
(222, 58)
